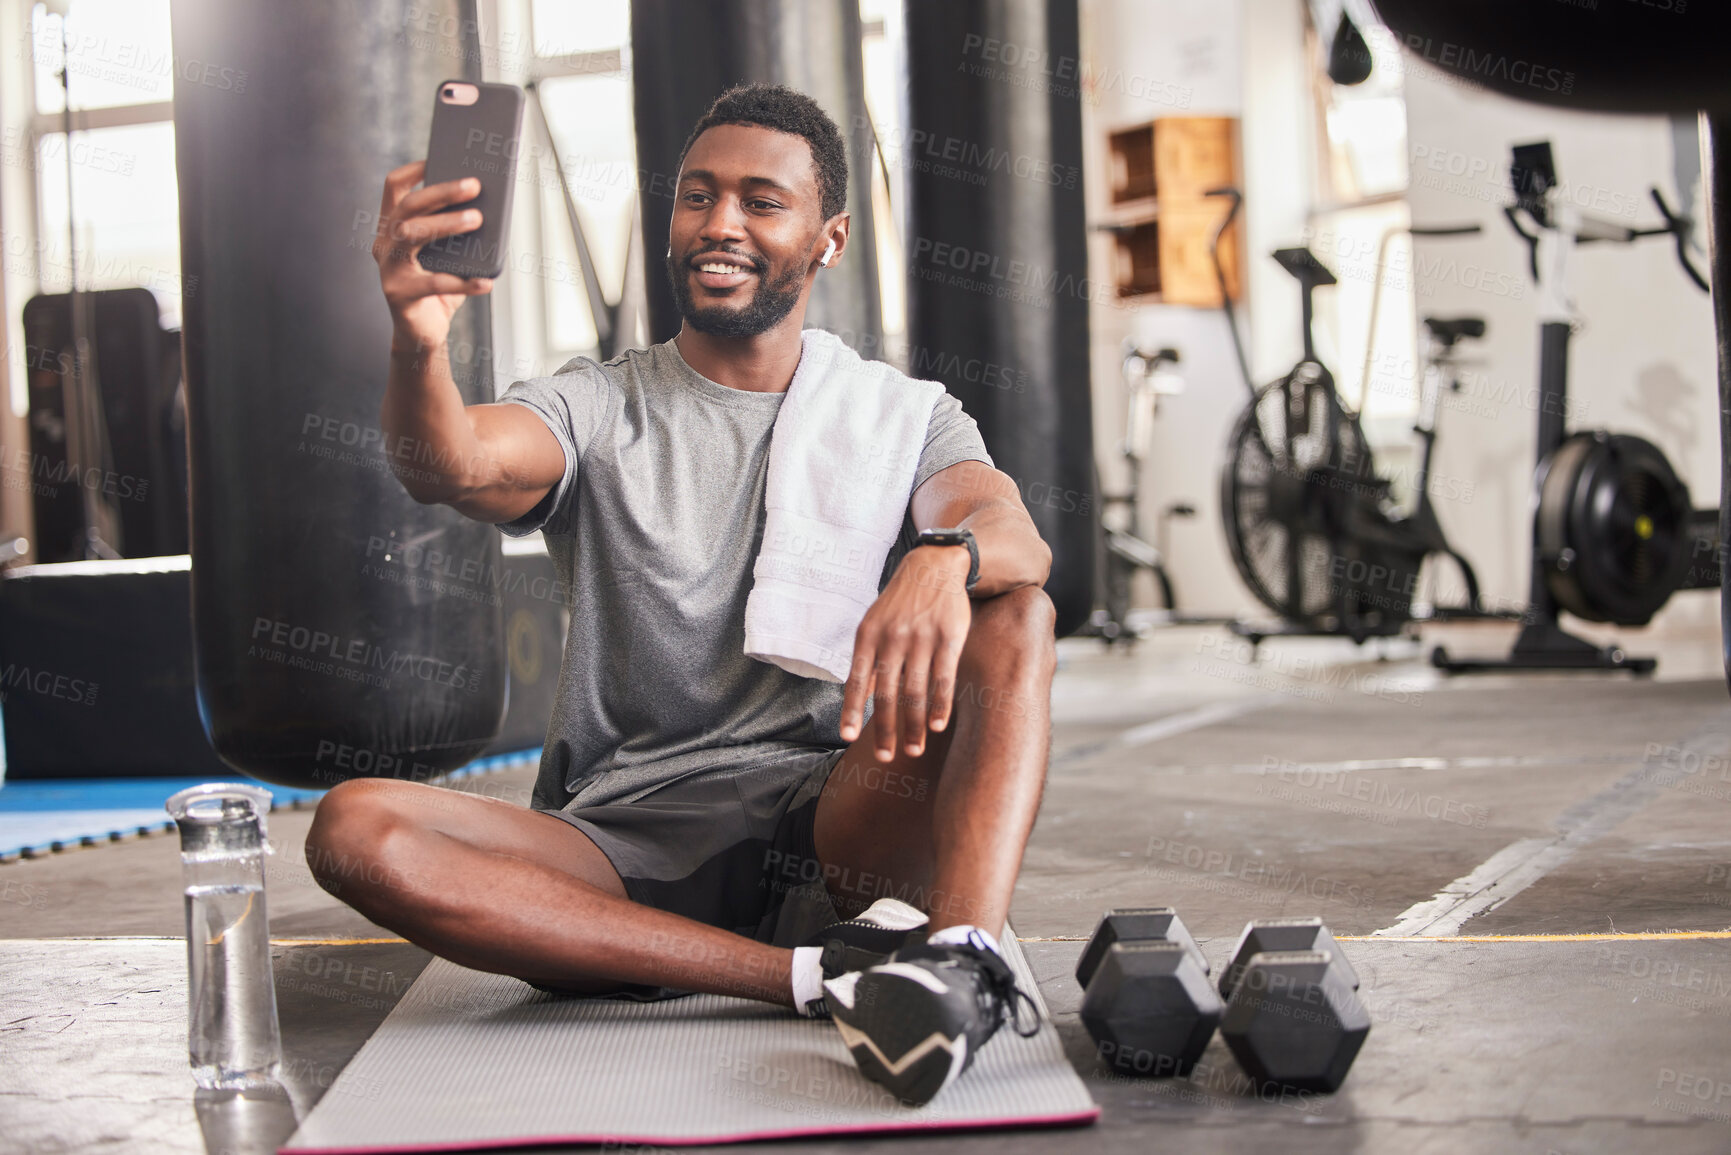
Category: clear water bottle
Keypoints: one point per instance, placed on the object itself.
(232, 1031)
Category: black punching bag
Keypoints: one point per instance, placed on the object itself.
(320, 654)
(1666, 56)
(684, 54)
(998, 285)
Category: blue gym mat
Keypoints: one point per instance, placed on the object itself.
(41, 816)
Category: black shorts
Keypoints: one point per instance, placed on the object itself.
(731, 847)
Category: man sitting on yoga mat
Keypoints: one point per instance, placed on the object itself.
(703, 820)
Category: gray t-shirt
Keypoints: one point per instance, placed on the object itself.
(655, 527)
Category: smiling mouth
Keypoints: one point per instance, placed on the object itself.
(720, 274)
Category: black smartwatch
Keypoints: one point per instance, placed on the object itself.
(956, 537)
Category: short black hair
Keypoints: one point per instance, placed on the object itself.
(780, 108)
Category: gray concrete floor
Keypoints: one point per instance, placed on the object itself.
(1580, 1003)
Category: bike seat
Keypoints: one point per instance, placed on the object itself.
(1448, 330)
(1302, 263)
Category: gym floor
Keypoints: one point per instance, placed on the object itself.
(1530, 874)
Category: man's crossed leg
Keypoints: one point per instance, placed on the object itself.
(500, 888)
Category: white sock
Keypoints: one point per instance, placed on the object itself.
(958, 936)
(807, 976)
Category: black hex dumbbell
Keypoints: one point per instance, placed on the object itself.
(1147, 1003)
(1294, 1019)
(1282, 934)
(1135, 924)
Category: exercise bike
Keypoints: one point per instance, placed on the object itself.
(1147, 376)
(1310, 522)
(1614, 534)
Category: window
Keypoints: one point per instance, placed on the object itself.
(118, 176)
(578, 141)
(883, 52)
(590, 118)
(1359, 232)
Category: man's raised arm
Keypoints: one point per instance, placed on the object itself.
(489, 462)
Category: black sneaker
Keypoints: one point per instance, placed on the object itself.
(915, 1022)
(857, 943)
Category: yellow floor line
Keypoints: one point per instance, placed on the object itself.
(332, 941)
(1610, 937)
(1634, 934)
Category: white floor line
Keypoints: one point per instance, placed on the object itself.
(1503, 762)
(1520, 864)
(1188, 720)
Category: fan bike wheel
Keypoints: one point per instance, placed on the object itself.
(1613, 527)
(1296, 464)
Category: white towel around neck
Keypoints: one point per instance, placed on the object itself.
(842, 457)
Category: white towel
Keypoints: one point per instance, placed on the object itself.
(842, 458)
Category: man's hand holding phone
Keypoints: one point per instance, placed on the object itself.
(436, 247)
(421, 302)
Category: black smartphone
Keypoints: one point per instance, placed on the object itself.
(475, 133)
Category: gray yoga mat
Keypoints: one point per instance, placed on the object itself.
(477, 1060)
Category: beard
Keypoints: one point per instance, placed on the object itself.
(772, 302)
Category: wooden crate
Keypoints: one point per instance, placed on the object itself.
(1132, 162)
(1193, 154)
(1137, 253)
(1160, 171)
(1187, 274)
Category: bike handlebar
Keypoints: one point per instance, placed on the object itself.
(1679, 229)
(1237, 199)
(1598, 229)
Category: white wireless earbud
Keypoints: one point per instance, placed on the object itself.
(828, 252)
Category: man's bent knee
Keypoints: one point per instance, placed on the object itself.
(357, 835)
(1022, 621)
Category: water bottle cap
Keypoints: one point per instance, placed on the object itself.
(221, 818)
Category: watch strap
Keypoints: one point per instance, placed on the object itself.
(962, 537)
